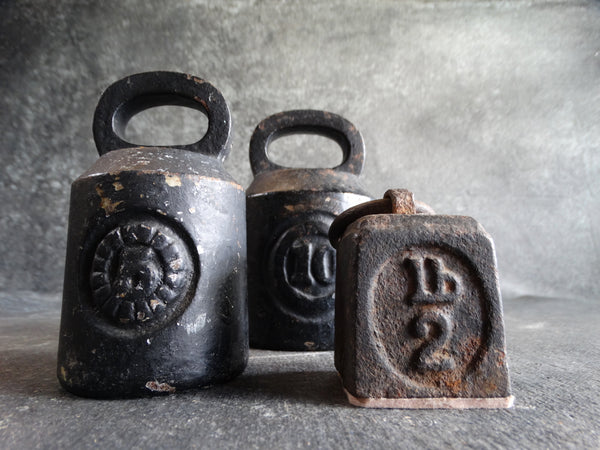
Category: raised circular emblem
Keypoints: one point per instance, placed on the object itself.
(301, 268)
(141, 274)
(428, 316)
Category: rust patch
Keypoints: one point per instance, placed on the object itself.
(402, 201)
(309, 345)
(118, 186)
(490, 387)
(200, 181)
(155, 386)
(106, 204)
(452, 382)
(154, 303)
(172, 180)
(294, 208)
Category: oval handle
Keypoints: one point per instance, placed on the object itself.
(307, 121)
(136, 93)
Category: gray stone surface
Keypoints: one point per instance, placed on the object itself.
(490, 109)
(294, 400)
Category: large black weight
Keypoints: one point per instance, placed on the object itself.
(291, 264)
(155, 281)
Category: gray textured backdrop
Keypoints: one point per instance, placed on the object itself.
(481, 108)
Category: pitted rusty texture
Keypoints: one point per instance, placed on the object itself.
(418, 310)
(402, 201)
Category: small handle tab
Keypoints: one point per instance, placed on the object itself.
(394, 201)
(307, 121)
(136, 93)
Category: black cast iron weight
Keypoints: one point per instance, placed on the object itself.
(291, 264)
(155, 281)
(418, 316)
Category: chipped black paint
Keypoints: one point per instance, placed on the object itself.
(156, 253)
(291, 265)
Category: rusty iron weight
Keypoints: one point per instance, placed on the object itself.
(154, 294)
(418, 320)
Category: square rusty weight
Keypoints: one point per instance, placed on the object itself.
(419, 315)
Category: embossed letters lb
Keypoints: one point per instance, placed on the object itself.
(433, 283)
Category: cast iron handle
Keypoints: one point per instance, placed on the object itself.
(131, 95)
(394, 201)
(307, 121)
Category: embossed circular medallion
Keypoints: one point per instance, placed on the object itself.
(141, 273)
(301, 268)
(428, 316)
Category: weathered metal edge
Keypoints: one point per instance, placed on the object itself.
(433, 402)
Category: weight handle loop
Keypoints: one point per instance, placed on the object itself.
(136, 93)
(307, 121)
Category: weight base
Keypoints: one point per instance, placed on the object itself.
(432, 403)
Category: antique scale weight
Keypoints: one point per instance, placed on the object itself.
(155, 280)
(291, 264)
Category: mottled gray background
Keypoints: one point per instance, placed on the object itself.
(490, 109)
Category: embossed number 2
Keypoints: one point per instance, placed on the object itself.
(435, 327)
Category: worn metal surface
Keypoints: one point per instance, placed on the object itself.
(418, 310)
(155, 283)
(291, 264)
